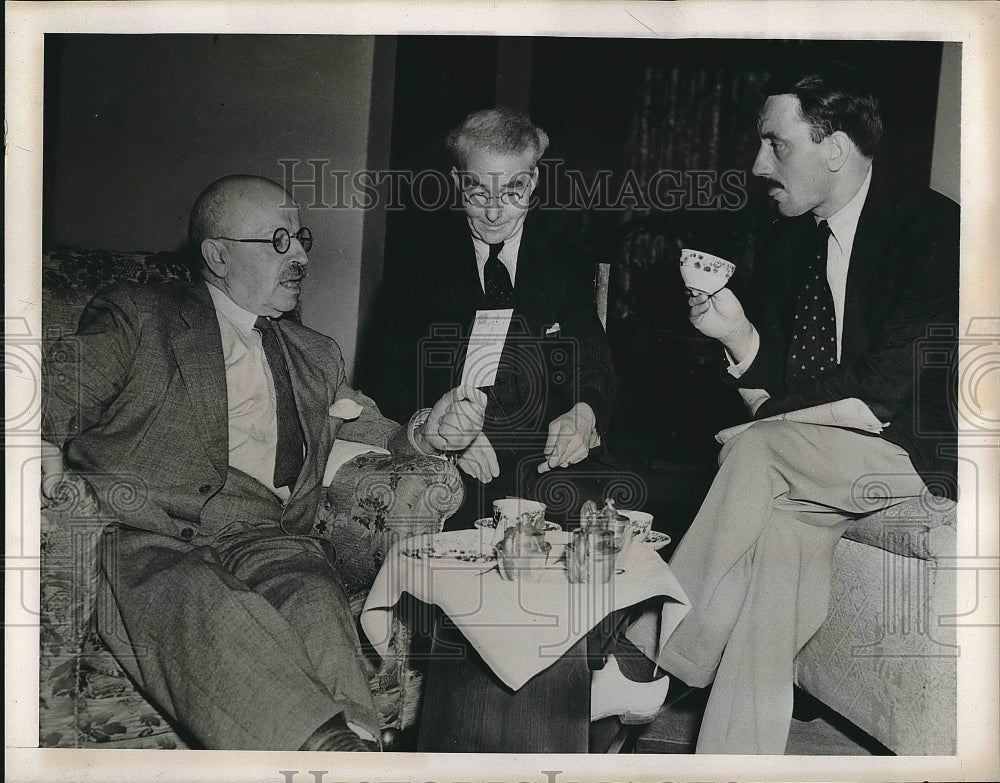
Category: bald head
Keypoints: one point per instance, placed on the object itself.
(222, 208)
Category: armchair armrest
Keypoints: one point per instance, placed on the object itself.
(375, 498)
(71, 530)
(923, 528)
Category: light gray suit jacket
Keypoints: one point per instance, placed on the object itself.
(137, 399)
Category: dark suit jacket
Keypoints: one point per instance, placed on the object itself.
(137, 398)
(899, 344)
(541, 376)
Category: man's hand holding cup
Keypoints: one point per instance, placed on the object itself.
(721, 316)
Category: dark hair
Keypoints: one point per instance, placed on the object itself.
(833, 97)
(501, 130)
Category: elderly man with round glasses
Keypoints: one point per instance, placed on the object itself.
(555, 386)
(216, 600)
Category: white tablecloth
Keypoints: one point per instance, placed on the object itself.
(519, 627)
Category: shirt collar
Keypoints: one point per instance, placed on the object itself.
(844, 221)
(242, 319)
(508, 255)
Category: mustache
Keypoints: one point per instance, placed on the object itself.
(772, 183)
(294, 273)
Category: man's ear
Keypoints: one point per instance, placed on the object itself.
(534, 178)
(212, 251)
(840, 147)
(455, 178)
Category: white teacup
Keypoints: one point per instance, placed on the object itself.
(704, 272)
(513, 511)
(642, 523)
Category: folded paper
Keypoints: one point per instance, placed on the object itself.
(850, 413)
(489, 332)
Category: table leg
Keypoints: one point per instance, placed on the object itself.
(467, 709)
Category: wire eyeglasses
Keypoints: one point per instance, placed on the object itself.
(281, 239)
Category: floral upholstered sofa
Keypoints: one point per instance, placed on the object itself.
(86, 700)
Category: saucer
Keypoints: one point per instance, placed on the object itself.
(656, 539)
(490, 523)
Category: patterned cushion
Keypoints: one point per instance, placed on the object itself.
(385, 496)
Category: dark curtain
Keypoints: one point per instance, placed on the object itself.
(675, 133)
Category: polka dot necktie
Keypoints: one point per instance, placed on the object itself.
(288, 455)
(813, 347)
(496, 280)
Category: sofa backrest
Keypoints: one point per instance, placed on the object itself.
(72, 275)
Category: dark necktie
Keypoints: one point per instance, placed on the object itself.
(496, 280)
(813, 347)
(288, 455)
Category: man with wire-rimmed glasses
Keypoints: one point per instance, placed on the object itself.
(555, 386)
(216, 600)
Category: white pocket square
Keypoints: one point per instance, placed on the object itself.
(346, 409)
(553, 329)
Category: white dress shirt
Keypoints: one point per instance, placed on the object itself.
(253, 417)
(843, 227)
(508, 256)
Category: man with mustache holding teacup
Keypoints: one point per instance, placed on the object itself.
(217, 601)
(853, 276)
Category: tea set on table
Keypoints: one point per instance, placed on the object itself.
(525, 544)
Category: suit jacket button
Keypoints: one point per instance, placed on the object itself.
(204, 489)
(187, 533)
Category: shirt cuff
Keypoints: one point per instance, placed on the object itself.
(418, 420)
(736, 369)
(754, 398)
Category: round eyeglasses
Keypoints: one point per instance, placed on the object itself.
(281, 240)
(481, 199)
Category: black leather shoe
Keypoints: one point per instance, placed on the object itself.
(335, 735)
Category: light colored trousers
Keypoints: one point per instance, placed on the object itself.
(756, 565)
(245, 638)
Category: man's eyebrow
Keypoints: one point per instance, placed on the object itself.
(518, 179)
(472, 179)
(771, 135)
